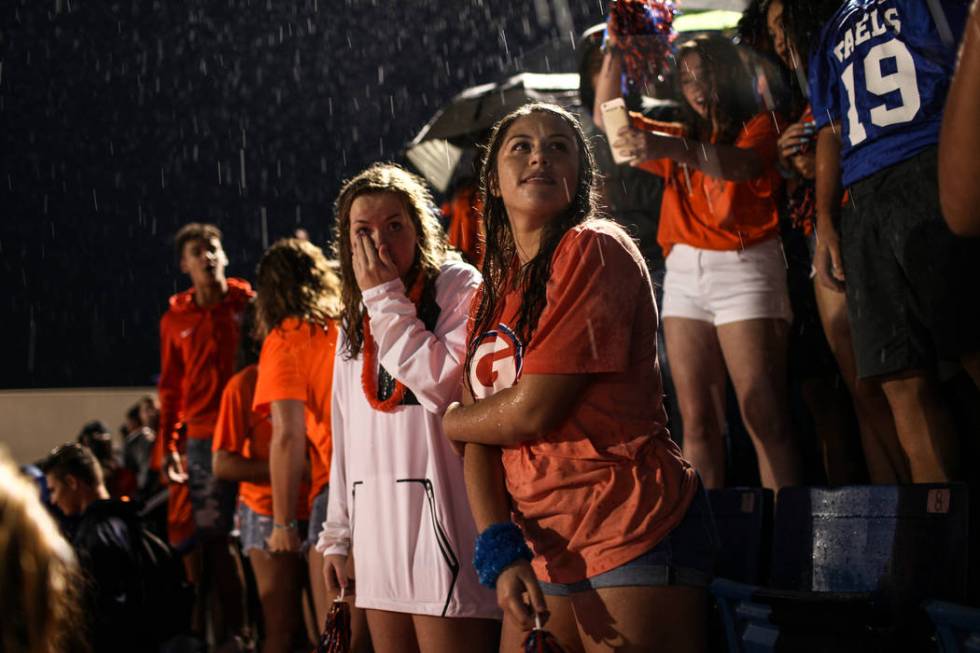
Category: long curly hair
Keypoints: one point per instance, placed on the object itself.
(431, 250)
(500, 273)
(294, 279)
(731, 101)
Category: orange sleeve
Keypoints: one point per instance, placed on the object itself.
(283, 365)
(726, 198)
(232, 430)
(585, 327)
(170, 386)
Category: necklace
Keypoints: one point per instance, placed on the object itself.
(369, 377)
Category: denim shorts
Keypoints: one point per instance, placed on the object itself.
(212, 500)
(254, 529)
(686, 556)
(318, 515)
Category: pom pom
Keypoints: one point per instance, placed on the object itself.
(540, 640)
(496, 548)
(642, 30)
(336, 629)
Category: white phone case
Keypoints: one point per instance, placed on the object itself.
(614, 118)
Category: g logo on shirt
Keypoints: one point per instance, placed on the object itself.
(497, 361)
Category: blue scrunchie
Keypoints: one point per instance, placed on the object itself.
(496, 548)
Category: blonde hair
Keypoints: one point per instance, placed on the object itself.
(294, 279)
(39, 578)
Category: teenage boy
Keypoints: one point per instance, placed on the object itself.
(199, 337)
(878, 82)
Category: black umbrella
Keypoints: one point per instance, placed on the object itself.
(441, 144)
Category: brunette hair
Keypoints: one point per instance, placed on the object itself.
(74, 459)
(803, 21)
(431, 251)
(499, 261)
(39, 577)
(731, 98)
(194, 231)
(294, 279)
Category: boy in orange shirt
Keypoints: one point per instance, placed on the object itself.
(199, 336)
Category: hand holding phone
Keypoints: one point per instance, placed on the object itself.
(614, 118)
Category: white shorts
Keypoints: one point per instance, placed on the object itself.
(721, 287)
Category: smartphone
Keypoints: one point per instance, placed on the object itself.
(614, 118)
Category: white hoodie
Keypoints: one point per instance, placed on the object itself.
(396, 485)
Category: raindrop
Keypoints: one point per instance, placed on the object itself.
(95, 200)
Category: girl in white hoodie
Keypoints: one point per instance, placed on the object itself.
(397, 495)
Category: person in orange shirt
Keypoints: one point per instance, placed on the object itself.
(199, 336)
(298, 302)
(568, 430)
(726, 304)
(241, 455)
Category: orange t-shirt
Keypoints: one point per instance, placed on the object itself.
(243, 431)
(297, 363)
(608, 484)
(465, 232)
(711, 213)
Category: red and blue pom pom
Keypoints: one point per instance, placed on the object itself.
(643, 31)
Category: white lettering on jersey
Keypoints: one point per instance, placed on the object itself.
(855, 36)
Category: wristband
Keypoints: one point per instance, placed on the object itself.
(291, 524)
(496, 548)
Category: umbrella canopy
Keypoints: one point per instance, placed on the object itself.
(439, 146)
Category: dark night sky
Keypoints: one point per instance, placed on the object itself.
(121, 121)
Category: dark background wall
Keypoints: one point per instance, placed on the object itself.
(120, 121)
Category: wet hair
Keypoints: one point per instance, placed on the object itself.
(752, 30)
(194, 231)
(74, 459)
(40, 610)
(803, 20)
(294, 279)
(731, 96)
(431, 252)
(499, 264)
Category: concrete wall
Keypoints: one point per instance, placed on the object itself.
(32, 422)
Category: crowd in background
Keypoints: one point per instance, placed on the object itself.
(754, 298)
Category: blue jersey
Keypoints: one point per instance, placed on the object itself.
(882, 70)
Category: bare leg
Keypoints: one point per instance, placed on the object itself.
(641, 619)
(392, 632)
(924, 426)
(755, 354)
(879, 439)
(280, 584)
(698, 370)
(971, 363)
(835, 430)
(448, 635)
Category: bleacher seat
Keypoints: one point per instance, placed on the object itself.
(743, 517)
(849, 569)
(957, 626)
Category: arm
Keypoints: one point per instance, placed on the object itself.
(526, 411)
(170, 386)
(286, 464)
(427, 362)
(607, 85)
(231, 466)
(726, 162)
(827, 258)
(335, 538)
(959, 140)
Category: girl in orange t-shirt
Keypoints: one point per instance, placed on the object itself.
(726, 305)
(298, 301)
(562, 363)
